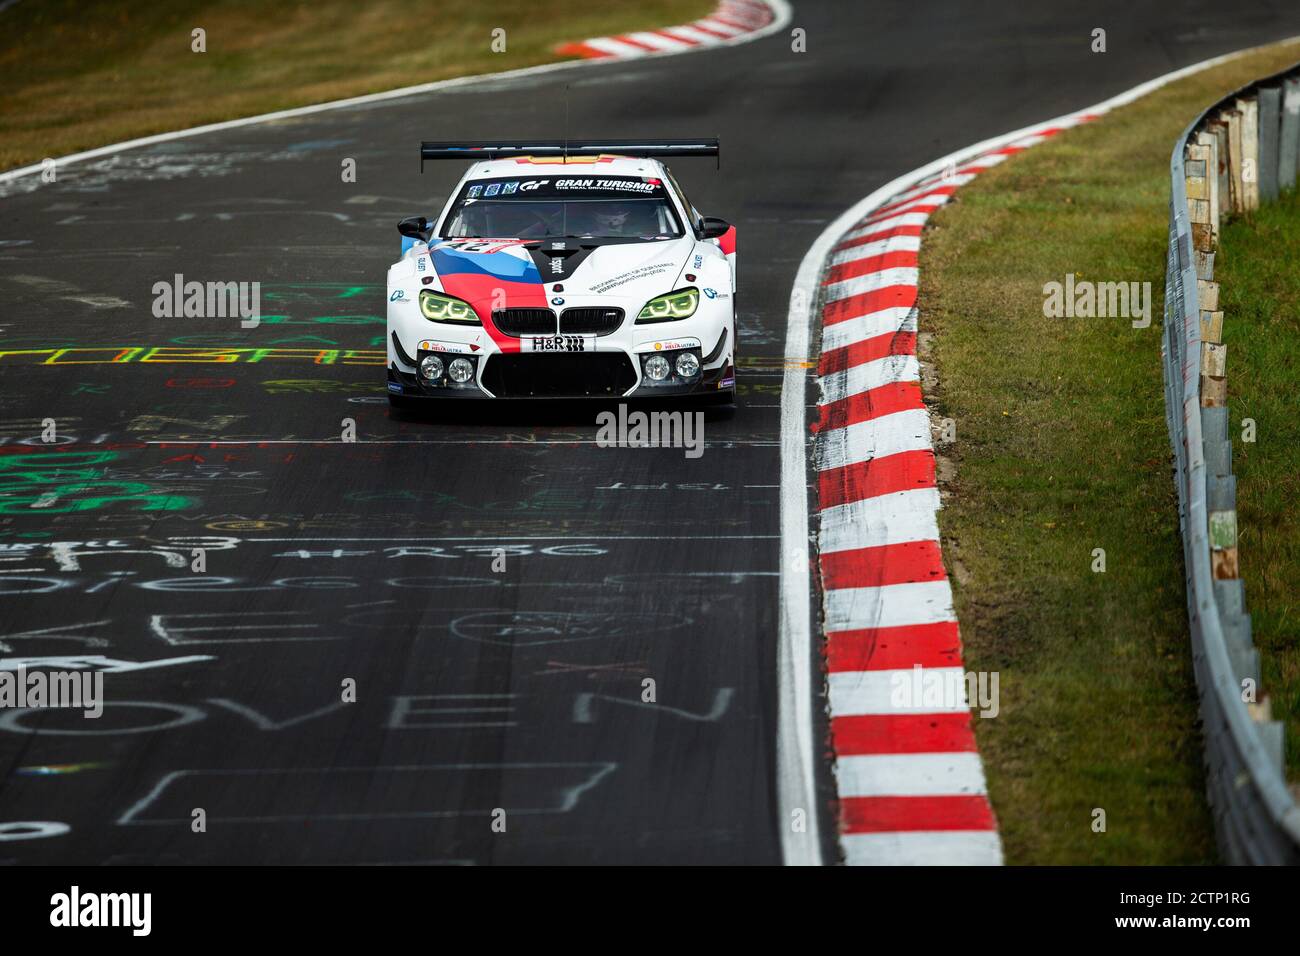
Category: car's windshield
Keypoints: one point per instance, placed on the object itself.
(617, 207)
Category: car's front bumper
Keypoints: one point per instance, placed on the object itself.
(608, 375)
(608, 366)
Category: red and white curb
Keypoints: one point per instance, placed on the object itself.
(909, 780)
(733, 21)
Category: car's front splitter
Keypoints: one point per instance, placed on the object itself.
(716, 381)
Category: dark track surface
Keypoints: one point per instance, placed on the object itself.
(476, 690)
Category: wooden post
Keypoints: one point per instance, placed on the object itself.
(1197, 167)
(1219, 128)
(1211, 143)
(1214, 359)
(1238, 198)
(1249, 152)
(1207, 295)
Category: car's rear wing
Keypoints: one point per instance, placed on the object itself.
(566, 148)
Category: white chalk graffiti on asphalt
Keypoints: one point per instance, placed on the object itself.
(67, 555)
(235, 627)
(582, 709)
(262, 722)
(95, 662)
(529, 628)
(182, 715)
(452, 710)
(444, 783)
(31, 830)
(56, 633)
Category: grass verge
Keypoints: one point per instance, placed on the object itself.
(78, 75)
(1260, 290)
(1062, 449)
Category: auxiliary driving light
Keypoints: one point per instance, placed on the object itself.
(688, 366)
(460, 370)
(431, 368)
(657, 368)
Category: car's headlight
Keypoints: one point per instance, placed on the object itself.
(675, 305)
(437, 307)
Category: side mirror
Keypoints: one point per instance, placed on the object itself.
(416, 227)
(713, 228)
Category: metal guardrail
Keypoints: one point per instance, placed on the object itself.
(1239, 151)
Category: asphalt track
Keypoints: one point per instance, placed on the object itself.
(372, 561)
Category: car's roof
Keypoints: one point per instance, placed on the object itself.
(605, 164)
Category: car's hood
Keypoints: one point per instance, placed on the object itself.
(511, 273)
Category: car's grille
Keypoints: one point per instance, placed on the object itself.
(604, 374)
(601, 321)
(524, 321)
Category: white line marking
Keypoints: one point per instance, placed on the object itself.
(869, 375)
(859, 329)
(781, 16)
(657, 42)
(719, 27)
(887, 519)
(862, 693)
(877, 248)
(875, 438)
(910, 775)
(893, 222)
(616, 47)
(870, 282)
(692, 35)
(892, 605)
(956, 181)
(923, 848)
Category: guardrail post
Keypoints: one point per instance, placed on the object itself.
(1249, 152)
(1200, 213)
(1289, 147)
(1236, 190)
(1218, 128)
(1207, 295)
(1270, 119)
(1211, 143)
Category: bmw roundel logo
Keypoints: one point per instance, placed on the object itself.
(557, 301)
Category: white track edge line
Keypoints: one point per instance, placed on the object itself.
(781, 17)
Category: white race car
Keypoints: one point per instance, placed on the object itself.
(564, 270)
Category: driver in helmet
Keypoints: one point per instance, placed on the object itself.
(603, 219)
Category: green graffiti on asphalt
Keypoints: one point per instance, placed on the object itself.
(61, 482)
